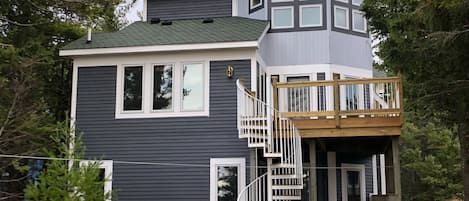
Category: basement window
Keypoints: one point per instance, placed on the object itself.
(105, 173)
(227, 178)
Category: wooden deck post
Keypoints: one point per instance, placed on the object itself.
(275, 91)
(313, 171)
(336, 100)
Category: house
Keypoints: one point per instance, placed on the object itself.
(227, 100)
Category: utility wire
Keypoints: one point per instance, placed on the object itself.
(164, 164)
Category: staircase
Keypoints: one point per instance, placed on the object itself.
(265, 129)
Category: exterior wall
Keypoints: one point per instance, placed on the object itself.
(243, 10)
(295, 48)
(184, 9)
(188, 140)
(351, 50)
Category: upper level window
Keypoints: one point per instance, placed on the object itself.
(341, 19)
(193, 90)
(133, 88)
(359, 21)
(357, 2)
(162, 90)
(282, 17)
(344, 1)
(255, 4)
(311, 16)
(163, 87)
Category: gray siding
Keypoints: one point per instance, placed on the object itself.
(191, 140)
(243, 10)
(350, 50)
(295, 48)
(185, 9)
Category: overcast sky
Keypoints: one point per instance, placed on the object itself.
(132, 15)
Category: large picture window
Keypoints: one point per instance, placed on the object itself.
(162, 90)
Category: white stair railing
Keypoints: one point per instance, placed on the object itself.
(255, 191)
(264, 127)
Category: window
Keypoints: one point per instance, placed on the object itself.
(133, 88)
(357, 2)
(345, 1)
(321, 93)
(298, 98)
(162, 90)
(282, 17)
(255, 4)
(193, 90)
(163, 87)
(359, 21)
(353, 182)
(105, 173)
(341, 19)
(311, 16)
(227, 178)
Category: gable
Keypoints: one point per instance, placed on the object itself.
(186, 9)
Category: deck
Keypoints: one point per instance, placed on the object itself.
(342, 108)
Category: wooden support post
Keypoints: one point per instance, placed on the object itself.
(275, 91)
(401, 97)
(313, 171)
(393, 172)
(337, 100)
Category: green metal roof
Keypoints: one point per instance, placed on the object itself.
(192, 31)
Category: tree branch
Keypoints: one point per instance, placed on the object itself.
(3, 18)
(9, 114)
(14, 180)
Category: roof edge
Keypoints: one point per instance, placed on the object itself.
(158, 48)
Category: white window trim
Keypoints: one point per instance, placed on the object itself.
(292, 17)
(276, 1)
(320, 15)
(347, 18)
(215, 162)
(107, 165)
(344, 1)
(147, 100)
(353, 167)
(356, 4)
(364, 22)
(252, 6)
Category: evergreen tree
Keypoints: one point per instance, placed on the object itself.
(67, 180)
(427, 41)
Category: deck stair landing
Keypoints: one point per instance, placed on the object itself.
(264, 128)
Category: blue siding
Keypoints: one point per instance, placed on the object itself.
(186, 9)
(191, 140)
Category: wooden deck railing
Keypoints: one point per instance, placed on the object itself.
(339, 99)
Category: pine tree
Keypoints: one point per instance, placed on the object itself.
(67, 180)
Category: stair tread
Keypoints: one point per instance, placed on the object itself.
(286, 197)
(281, 187)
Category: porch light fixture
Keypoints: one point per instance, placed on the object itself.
(229, 71)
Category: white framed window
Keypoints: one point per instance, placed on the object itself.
(227, 178)
(255, 4)
(282, 17)
(353, 182)
(359, 21)
(311, 15)
(341, 17)
(344, 1)
(357, 2)
(106, 168)
(172, 89)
